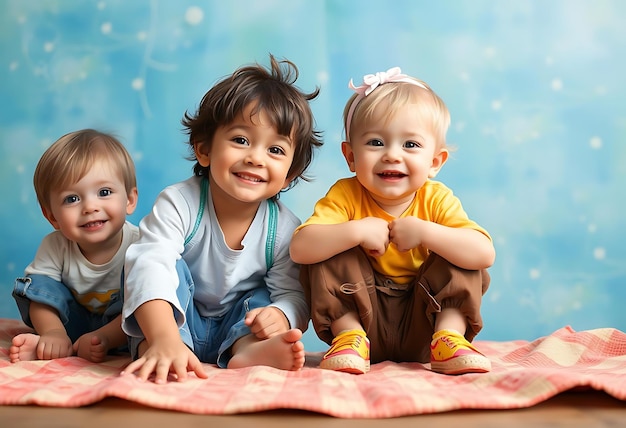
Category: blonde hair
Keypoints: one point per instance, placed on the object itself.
(395, 95)
(69, 159)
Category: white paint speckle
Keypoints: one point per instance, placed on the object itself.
(137, 84)
(106, 28)
(599, 253)
(490, 52)
(595, 142)
(194, 15)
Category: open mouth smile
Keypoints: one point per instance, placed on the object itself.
(93, 224)
(247, 177)
(392, 174)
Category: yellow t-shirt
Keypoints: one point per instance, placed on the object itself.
(348, 200)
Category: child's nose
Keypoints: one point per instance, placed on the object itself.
(90, 205)
(255, 157)
(392, 154)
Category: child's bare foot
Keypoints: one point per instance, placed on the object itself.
(24, 347)
(91, 347)
(284, 351)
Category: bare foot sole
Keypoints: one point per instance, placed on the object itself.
(284, 352)
(24, 347)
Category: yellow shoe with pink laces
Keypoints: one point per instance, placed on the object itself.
(349, 353)
(451, 353)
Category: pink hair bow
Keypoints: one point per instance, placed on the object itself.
(373, 81)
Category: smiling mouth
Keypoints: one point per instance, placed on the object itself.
(249, 178)
(93, 224)
(392, 175)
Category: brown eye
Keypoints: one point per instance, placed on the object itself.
(276, 150)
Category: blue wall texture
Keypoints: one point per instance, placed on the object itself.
(535, 90)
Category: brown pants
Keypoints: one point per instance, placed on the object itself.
(398, 319)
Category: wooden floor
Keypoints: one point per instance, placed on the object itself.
(572, 409)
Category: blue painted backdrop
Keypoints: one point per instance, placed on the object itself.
(535, 89)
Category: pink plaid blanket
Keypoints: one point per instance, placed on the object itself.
(524, 373)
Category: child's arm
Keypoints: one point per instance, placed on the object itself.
(165, 351)
(54, 341)
(318, 242)
(45, 271)
(464, 247)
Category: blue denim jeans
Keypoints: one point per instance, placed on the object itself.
(76, 319)
(210, 338)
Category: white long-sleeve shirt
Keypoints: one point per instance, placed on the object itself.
(220, 274)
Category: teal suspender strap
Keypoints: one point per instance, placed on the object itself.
(204, 188)
(270, 242)
(272, 223)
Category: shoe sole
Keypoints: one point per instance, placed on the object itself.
(346, 364)
(461, 365)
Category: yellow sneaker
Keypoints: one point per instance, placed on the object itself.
(451, 353)
(349, 353)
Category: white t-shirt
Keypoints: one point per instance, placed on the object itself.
(60, 259)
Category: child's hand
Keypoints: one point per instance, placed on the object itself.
(54, 344)
(266, 322)
(374, 233)
(164, 356)
(405, 232)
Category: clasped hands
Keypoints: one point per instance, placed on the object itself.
(404, 232)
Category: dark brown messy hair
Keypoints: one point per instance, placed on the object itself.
(273, 92)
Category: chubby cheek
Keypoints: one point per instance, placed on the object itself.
(363, 165)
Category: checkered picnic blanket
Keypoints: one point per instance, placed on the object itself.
(524, 373)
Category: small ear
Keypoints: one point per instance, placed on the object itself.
(50, 217)
(202, 151)
(346, 149)
(438, 160)
(131, 204)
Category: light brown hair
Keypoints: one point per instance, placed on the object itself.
(69, 159)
